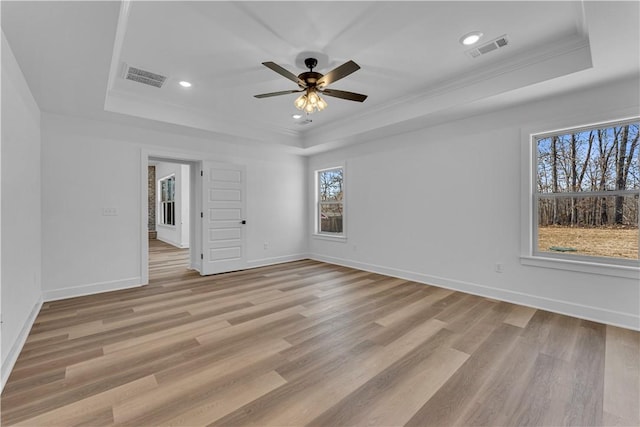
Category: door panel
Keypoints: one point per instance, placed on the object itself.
(228, 195)
(225, 234)
(225, 214)
(224, 205)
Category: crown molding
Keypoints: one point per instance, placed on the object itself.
(139, 106)
(527, 68)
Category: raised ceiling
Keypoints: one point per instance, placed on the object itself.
(413, 67)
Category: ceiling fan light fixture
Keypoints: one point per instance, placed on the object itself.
(310, 101)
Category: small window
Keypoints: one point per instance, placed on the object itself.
(586, 191)
(330, 198)
(167, 208)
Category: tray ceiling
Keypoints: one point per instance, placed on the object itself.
(412, 64)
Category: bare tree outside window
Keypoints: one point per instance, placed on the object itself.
(330, 201)
(587, 191)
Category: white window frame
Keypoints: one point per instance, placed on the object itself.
(161, 215)
(529, 213)
(323, 234)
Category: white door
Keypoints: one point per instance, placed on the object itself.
(223, 220)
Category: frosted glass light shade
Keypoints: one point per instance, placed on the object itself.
(300, 102)
(313, 97)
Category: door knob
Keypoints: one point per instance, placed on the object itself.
(244, 221)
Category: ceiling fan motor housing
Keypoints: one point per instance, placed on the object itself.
(311, 63)
(310, 78)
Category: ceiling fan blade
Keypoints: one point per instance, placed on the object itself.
(351, 96)
(283, 92)
(284, 72)
(337, 73)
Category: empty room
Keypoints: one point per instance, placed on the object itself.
(381, 213)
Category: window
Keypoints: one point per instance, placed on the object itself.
(330, 212)
(167, 200)
(586, 189)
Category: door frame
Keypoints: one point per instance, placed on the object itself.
(195, 204)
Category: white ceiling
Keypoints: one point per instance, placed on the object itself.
(413, 67)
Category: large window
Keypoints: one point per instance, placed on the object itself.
(586, 191)
(167, 201)
(330, 204)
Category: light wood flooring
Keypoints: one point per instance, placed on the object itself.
(308, 343)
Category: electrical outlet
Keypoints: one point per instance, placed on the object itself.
(499, 267)
(109, 211)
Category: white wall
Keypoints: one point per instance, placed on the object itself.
(176, 235)
(408, 199)
(20, 218)
(83, 172)
(88, 252)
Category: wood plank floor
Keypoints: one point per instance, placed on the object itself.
(308, 343)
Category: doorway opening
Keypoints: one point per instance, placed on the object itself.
(170, 215)
(216, 212)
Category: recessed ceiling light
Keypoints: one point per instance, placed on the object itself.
(297, 116)
(185, 84)
(471, 38)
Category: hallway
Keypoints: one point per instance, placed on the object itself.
(166, 260)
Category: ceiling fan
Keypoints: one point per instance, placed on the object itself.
(313, 84)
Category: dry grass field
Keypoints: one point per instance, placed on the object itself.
(608, 242)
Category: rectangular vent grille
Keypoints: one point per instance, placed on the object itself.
(487, 48)
(501, 41)
(144, 77)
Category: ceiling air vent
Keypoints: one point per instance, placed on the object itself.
(496, 44)
(144, 77)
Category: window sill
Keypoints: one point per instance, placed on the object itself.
(623, 271)
(339, 239)
(171, 227)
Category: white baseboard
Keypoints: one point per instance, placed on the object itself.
(92, 288)
(262, 262)
(596, 314)
(16, 348)
(170, 242)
